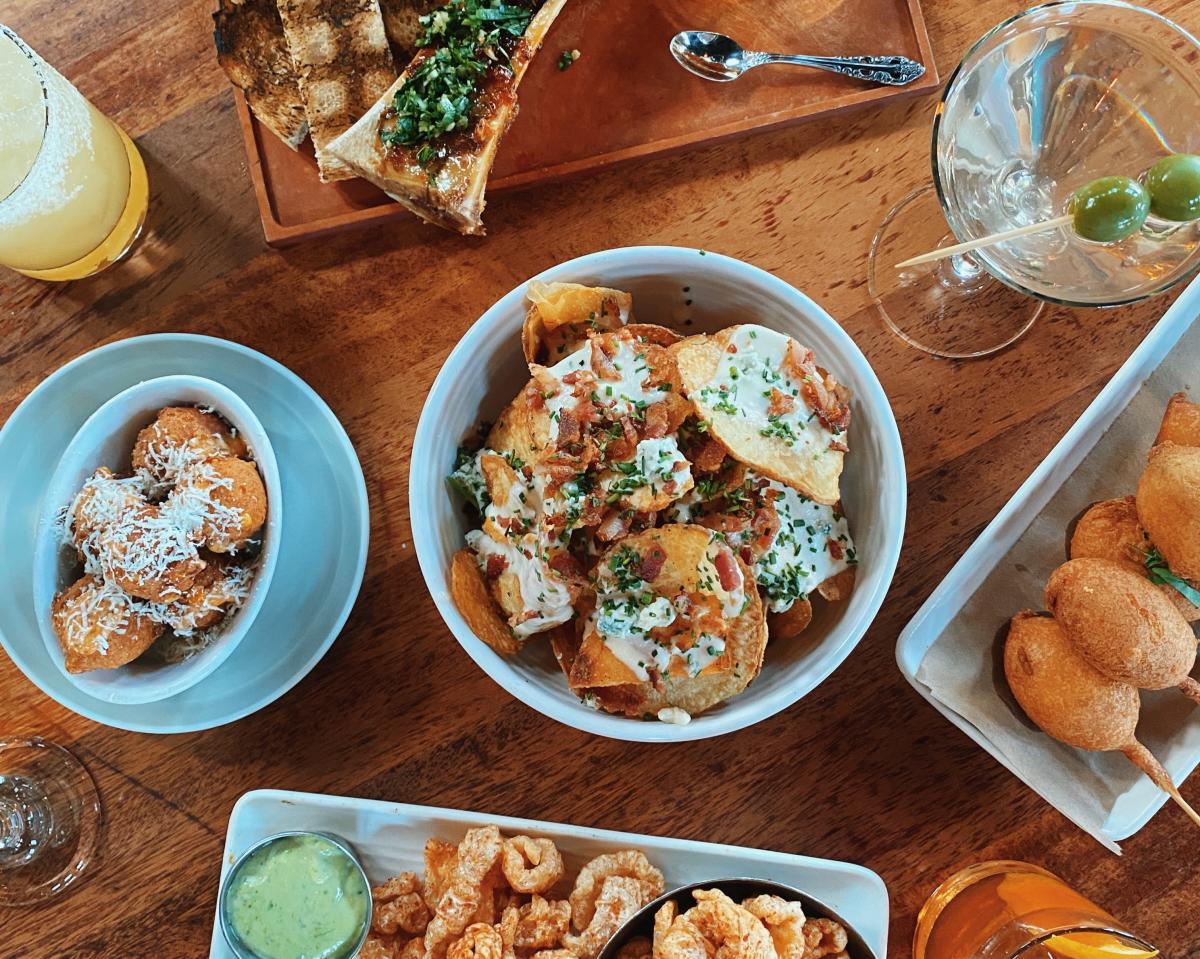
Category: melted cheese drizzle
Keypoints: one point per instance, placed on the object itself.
(742, 383)
(798, 558)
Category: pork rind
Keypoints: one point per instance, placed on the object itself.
(766, 400)
(561, 315)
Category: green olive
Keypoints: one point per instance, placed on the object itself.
(1109, 209)
(1174, 185)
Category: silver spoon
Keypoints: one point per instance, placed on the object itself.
(715, 56)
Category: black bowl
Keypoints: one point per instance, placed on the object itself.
(642, 924)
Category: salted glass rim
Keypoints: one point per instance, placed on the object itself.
(956, 75)
(8, 34)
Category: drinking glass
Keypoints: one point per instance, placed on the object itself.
(1015, 910)
(1049, 100)
(50, 822)
(73, 189)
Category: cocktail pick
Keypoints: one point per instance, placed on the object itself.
(1141, 757)
(1107, 210)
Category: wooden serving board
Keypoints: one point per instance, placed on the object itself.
(625, 98)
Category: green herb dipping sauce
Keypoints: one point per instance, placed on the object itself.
(299, 897)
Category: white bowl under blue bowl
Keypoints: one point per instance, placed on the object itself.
(691, 291)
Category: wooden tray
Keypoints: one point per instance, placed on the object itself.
(625, 98)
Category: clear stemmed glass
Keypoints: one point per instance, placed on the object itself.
(50, 821)
(1055, 97)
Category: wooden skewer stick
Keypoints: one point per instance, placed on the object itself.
(1141, 757)
(987, 241)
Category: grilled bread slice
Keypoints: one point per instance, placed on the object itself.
(254, 54)
(344, 65)
(402, 21)
(449, 190)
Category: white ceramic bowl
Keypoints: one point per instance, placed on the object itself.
(106, 439)
(691, 291)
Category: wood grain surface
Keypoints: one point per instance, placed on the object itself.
(862, 769)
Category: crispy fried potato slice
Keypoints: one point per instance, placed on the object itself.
(839, 586)
(1180, 422)
(790, 623)
(470, 594)
(521, 430)
(770, 405)
(596, 671)
(561, 314)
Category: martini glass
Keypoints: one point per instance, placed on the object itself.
(1049, 100)
(50, 822)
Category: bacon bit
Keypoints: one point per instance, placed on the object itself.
(671, 485)
(765, 524)
(732, 348)
(566, 565)
(709, 457)
(724, 522)
(780, 402)
(838, 446)
(614, 525)
(799, 361)
(727, 571)
(496, 565)
(570, 430)
(652, 563)
(593, 512)
(623, 449)
(746, 554)
(835, 549)
(657, 424)
(574, 377)
(602, 362)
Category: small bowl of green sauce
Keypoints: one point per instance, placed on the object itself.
(296, 895)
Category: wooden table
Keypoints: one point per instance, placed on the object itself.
(862, 769)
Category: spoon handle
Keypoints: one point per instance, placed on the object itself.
(891, 70)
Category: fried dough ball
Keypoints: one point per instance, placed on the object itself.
(1121, 624)
(531, 865)
(179, 437)
(102, 502)
(1168, 506)
(1061, 692)
(217, 587)
(1110, 530)
(149, 556)
(631, 863)
(223, 501)
(1180, 422)
(98, 627)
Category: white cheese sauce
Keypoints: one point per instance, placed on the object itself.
(616, 397)
(742, 387)
(542, 594)
(654, 463)
(799, 557)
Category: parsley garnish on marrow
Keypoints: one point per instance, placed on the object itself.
(468, 37)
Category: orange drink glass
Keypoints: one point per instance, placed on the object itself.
(1015, 910)
(73, 190)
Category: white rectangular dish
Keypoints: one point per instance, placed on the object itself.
(390, 837)
(996, 553)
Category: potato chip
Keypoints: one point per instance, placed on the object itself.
(561, 315)
(474, 602)
(768, 402)
(698, 597)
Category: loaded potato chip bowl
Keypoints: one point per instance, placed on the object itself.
(615, 387)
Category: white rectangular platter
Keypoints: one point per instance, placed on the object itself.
(390, 837)
(1133, 807)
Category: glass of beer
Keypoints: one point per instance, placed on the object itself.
(1015, 910)
(73, 188)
